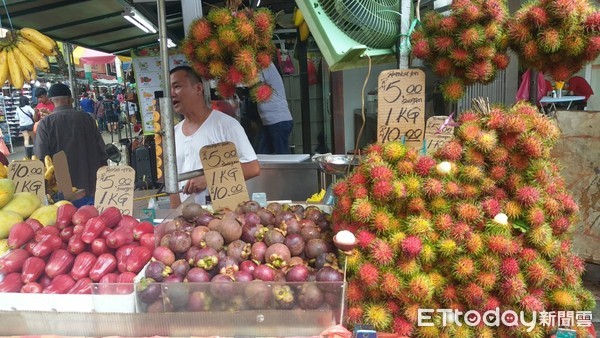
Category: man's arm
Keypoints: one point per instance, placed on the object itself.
(251, 169)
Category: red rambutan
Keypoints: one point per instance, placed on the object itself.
(530, 304)
(227, 36)
(486, 280)
(532, 146)
(357, 178)
(537, 273)
(501, 61)
(537, 16)
(390, 284)
(473, 295)
(202, 70)
(518, 33)
(509, 267)
(220, 16)
(560, 226)
(234, 76)
(402, 327)
(355, 292)
(421, 49)
(452, 89)
(531, 52)
(416, 205)
(474, 243)
(424, 165)
(451, 151)
(419, 288)
(471, 36)
(442, 44)
(382, 190)
(568, 203)
(460, 231)
(381, 172)
(500, 245)
(201, 30)
(411, 246)
(263, 59)
(263, 20)
(364, 238)
(460, 57)
(244, 59)
(432, 187)
(513, 289)
(341, 188)
(362, 210)
(470, 13)
(464, 268)
(225, 90)
(261, 93)
(467, 211)
(528, 255)
(368, 274)
(491, 303)
(359, 192)
(560, 72)
(355, 314)
(491, 207)
(527, 195)
(481, 71)
(217, 68)
(498, 173)
(551, 206)
(245, 29)
(536, 216)
(453, 189)
(343, 205)
(443, 67)
(443, 222)
(383, 221)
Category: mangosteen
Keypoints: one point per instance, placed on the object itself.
(331, 279)
(266, 216)
(198, 301)
(250, 206)
(284, 296)
(177, 294)
(315, 247)
(251, 218)
(230, 229)
(238, 250)
(164, 240)
(197, 275)
(157, 270)
(290, 226)
(258, 295)
(257, 252)
(324, 258)
(206, 258)
(294, 242)
(310, 296)
(169, 226)
(297, 209)
(274, 236)
(310, 232)
(191, 211)
(148, 290)
(278, 255)
(214, 224)
(297, 273)
(190, 255)
(253, 233)
(180, 241)
(247, 266)
(275, 207)
(284, 216)
(243, 276)
(197, 234)
(222, 287)
(213, 239)
(313, 213)
(264, 272)
(180, 267)
(227, 266)
(164, 254)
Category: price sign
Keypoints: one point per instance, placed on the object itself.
(28, 176)
(224, 176)
(62, 173)
(401, 106)
(437, 133)
(114, 187)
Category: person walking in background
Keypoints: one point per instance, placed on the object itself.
(99, 114)
(275, 114)
(26, 121)
(87, 104)
(578, 86)
(74, 133)
(111, 116)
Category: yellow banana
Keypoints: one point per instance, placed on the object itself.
(16, 76)
(48, 161)
(49, 173)
(44, 43)
(298, 17)
(304, 31)
(33, 54)
(3, 66)
(26, 66)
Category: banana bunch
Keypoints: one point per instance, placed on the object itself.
(301, 24)
(23, 51)
(51, 185)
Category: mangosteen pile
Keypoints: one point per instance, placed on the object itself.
(275, 257)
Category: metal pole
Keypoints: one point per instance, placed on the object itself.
(404, 27)
(70, 67)
(166, 107)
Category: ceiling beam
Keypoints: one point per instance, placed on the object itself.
(114, 29)
(125, 39)
(43, 8)
(82, 21)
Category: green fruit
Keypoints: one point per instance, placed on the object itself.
(7, 220)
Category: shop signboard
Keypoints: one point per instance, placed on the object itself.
(148, 74)
(224, 176)
(114, 188)
(401, 107)
(28, 176)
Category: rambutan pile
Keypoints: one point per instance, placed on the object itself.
(555, 37)
(235, 45)
(464, 229)
(468, 46)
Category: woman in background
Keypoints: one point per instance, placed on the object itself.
(26, 121)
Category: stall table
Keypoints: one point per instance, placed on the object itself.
(552, 101)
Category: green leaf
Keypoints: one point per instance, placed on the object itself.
(521, 225)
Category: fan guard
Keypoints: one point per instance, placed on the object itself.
(373, 23)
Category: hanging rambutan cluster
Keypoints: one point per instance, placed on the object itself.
(555, 37)
(468, 46)
(232, 47)
(485, 222)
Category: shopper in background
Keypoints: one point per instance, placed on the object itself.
(100, 115)
(26, 121)
(76, 134)
(87, 104)
(578, 86)
(44, 106)
(110, 114)
(275, 115)
(202, 126)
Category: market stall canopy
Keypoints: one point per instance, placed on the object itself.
(82, 55)
(100, 25)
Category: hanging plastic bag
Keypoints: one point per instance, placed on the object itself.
(523, 92)
(313, 77)
(3, 147)
(288, 65)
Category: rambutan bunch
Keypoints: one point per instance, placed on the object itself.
(555, 37)
(466, 46)
(232, 46)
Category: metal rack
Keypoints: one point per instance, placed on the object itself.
(4, 127)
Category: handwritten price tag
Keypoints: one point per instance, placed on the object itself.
(114, 188)
(436, 137)
(28, 176)
(401, 106)
(224, 176)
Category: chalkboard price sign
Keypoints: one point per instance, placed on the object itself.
(114, 188)
(401, 106)
(224, 176)
(28, 176)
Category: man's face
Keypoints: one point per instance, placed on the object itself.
(43, 98)
(185, 94)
